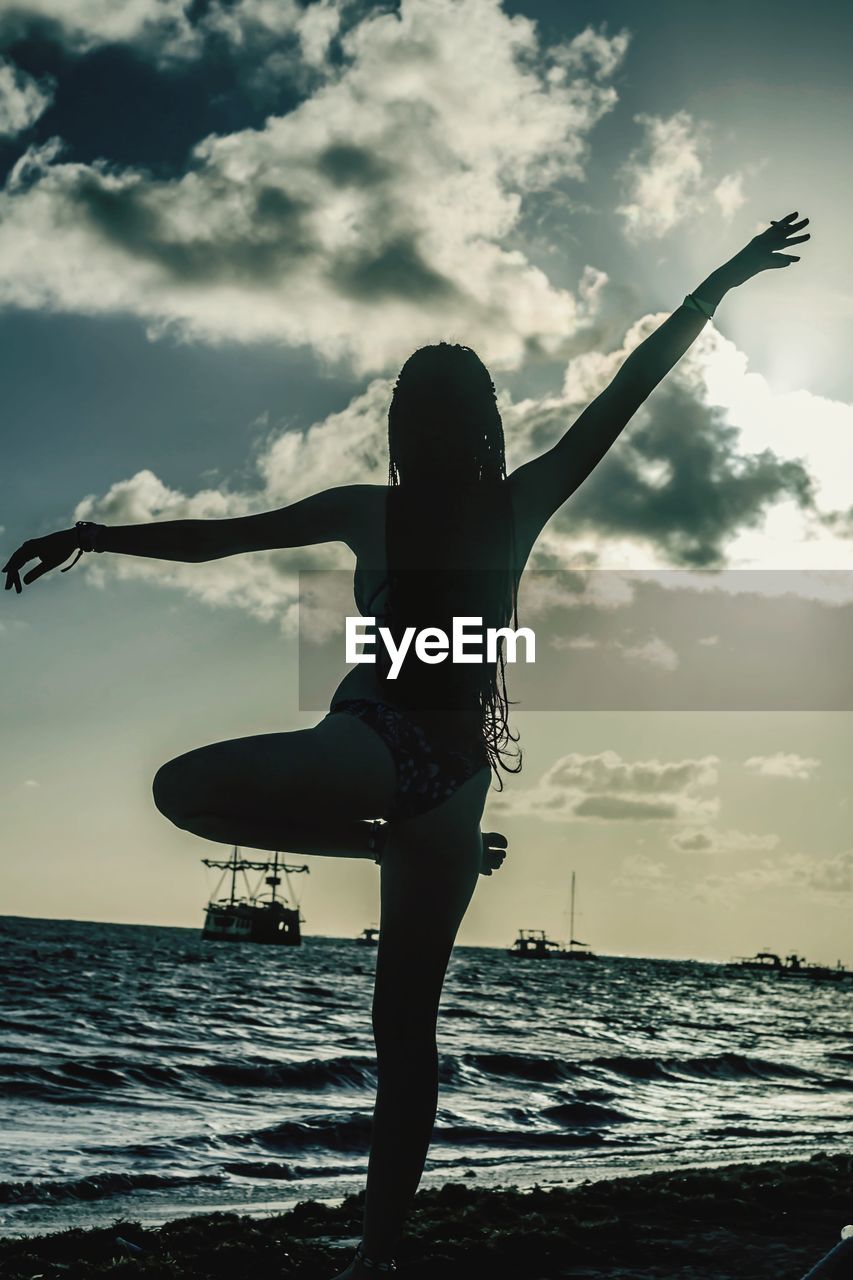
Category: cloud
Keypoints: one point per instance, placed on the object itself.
(665, 181)
(833, 875)
(264, 584)
(680, 481)
(607, 788)
(372, 218)
(652, 651)
(826, 880)
(783, 765)
(22, 99)
(712, 491)
(711, 840)
(728, 194)
(637, 872)
(170, 31)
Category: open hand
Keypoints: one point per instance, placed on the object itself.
(763, 251)
(50, 551)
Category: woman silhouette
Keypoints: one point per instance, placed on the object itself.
(448, 536)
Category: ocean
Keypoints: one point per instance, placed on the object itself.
(146, 1074)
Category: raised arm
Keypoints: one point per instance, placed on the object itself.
(334, 515)
(540, 487)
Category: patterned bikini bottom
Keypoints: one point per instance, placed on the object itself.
(427, 772)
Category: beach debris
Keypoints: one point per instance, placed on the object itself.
(135, 1250)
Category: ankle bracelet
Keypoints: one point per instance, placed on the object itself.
(371, 1264)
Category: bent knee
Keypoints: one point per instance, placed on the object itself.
(171, 791)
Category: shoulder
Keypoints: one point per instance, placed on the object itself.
(361, 508)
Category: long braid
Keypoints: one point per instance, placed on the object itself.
(472, 404)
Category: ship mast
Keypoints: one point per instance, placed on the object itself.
(234, 877)
(572, 917)
(275, 879)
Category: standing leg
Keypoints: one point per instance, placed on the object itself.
(430, 866)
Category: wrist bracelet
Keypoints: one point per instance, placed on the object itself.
(698, 304)
(88, 537)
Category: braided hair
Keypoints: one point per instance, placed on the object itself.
(449, 515)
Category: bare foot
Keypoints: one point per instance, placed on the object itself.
(494, 852)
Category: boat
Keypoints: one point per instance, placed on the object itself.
(368, 937)
(576, 950)
(764, 960)
(793, 966)
(799, 967)
(532, 944)
(254, 916)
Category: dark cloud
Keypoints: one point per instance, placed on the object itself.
(707, 493)
(397, 270)
(618, 808)
(346, 165)
(129, 218)
(115, 100)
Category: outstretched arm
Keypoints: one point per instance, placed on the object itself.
(542, 486)
(335, 515)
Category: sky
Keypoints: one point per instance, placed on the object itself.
(223, 228)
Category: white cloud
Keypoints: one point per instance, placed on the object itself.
(22, 99)
(665, 178)
(369, 220)
(783, 764)
(826, 880)
(164, 30)
(653, 651)
(728, 194)
(833, 875)
(352, 444)
(637, 872)
(296, 463)
(712, 840)
(794, 424)
(604, 787)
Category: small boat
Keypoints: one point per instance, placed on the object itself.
(798, 967)
(764, 960)
(576, 950)
(793, 966)
(532, 944)
(254, 916)
(368, 937)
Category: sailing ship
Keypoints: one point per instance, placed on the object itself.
(532, 944)
(253, 916)
(368, 937)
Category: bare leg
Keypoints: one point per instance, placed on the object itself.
(306, 792)
(276, 791)
(429, 871)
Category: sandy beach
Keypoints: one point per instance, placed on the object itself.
(770, 1221)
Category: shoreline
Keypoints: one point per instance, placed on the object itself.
(767, 1221)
